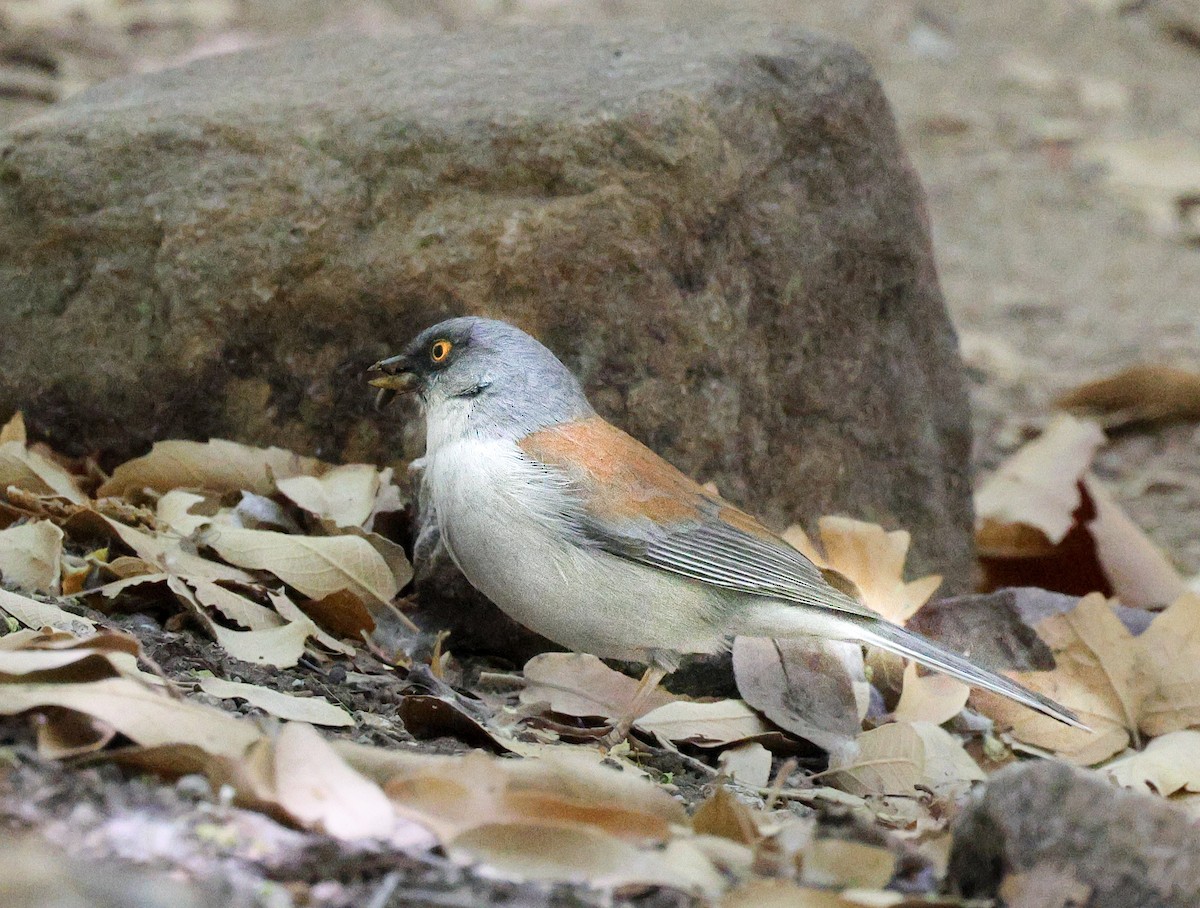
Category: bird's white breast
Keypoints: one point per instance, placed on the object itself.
(500, 518)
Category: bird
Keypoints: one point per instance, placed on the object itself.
(586, 536)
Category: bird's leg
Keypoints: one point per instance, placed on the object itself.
(620, 729)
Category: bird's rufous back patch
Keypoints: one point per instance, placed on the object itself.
(623, 479)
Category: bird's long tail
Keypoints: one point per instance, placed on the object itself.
(895, 639)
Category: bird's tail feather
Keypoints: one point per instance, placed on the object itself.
(895, 639)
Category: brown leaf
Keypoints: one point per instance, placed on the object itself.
(341, 613)
(805, 686)
(217, 465)
(1142, 394)
(578, 684)
(1119, 683)
(847, 864)
(725, 816)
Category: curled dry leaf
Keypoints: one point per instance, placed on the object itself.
(809, 687)
(578, 684)
(217, 465)
(313, 710)
(36, 615)
(1142, 394)
(344, 495)
(234, 606)
(894, 759)
(280, 646)
(872, 559)
(725, 816)
(31, 556)
(1043, 520)
(317, 566)
(31, 471)
(141, 713)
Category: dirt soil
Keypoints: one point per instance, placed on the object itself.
(1049, 276)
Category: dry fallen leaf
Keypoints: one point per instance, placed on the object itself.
(313, 710)
(280, 646)
(317, 788)
(894, 759)
(345, 495)
(1043, 520)
(932, 698)
(318, 566)
(36, 615)
(217, 465)
(1120, 684)
(1168, 765)
(705, 724)
(578, 684)
(872, 559)
(31, 556)
(809, 687)
(141, 713)
(26, 469)
(847, 864)
(748, 763)
(1097, 675)
(14, 429)
(1142, 394)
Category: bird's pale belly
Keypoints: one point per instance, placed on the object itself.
(497, 517)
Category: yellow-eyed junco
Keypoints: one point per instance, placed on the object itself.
(586, 536)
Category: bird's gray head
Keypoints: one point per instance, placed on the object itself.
(483, 377)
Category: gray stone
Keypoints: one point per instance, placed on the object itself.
(1056, 825)
(719, 232)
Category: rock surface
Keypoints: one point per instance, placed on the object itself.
(719, 233)
(1044, 828)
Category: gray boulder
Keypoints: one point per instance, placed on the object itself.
(719, 232)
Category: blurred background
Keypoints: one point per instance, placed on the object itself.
(1058, 141)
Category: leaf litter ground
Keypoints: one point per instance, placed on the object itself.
(225, 602)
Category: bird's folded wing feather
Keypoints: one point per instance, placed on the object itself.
(634, 504)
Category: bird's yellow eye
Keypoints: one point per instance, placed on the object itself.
(440, 350)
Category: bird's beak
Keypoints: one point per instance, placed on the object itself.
(392, 376)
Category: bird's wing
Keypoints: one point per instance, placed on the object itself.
(634, 504)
